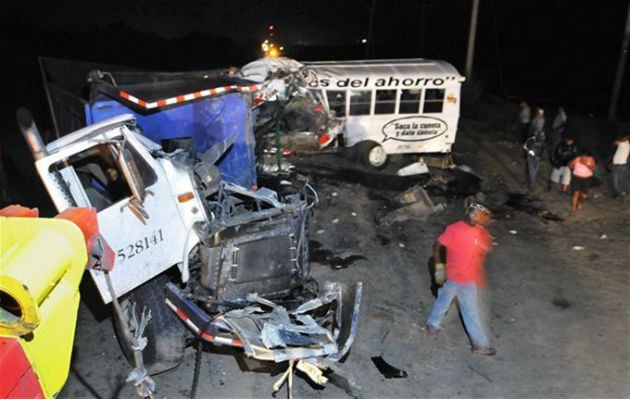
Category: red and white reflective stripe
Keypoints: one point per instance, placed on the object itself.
(221, 340)
(203, 334)
(182, 316)
(188, 97)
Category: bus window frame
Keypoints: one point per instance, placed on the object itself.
(334, 106)
(430, 102)
(426, 104)
(360, 104)
(388, 102)
(400, 102)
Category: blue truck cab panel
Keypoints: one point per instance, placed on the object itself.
(205, 123)
(193, 109)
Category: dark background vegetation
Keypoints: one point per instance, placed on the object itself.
(547, 52)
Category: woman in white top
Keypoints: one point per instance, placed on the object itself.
(619, 166)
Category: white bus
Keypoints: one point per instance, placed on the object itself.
(404, 106)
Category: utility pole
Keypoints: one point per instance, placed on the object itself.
(423, 11)
(471, 39)
(614, 98)
(370, 27)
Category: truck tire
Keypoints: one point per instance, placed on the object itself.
(165, 333)
(372, 155)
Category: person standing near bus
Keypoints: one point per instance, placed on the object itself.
(557, 127)
(619, 166)
(523, 120)
(465, 244)
(535, 147)
(561, 156)
(583, 168)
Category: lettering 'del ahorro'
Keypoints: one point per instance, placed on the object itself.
(389, 82)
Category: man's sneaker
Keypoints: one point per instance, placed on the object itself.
(486, 351)
(430, 331)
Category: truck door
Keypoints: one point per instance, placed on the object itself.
(144, 227)
(137, 211)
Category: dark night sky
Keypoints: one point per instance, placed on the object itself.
(553, 51)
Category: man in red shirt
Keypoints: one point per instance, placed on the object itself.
(466, 243)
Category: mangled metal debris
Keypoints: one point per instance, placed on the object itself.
(416, 168)
(285, 112)
(416, 204)
(387, 370)
(334, 260)
(242, 253)
(319, 330)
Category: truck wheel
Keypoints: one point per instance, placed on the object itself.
(165, 333)
(372, 155)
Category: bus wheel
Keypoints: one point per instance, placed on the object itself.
(372, 154)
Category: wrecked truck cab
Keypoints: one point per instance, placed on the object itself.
(242, 254)
(92, 168)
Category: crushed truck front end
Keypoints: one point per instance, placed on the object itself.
(241, 253)
(146, 208)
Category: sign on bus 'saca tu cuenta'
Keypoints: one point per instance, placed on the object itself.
(414, 129)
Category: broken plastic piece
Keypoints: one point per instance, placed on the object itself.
(314, 373)
(325, 139)
(287, 376)
(16, 210)
(387, 370)
(416, 168)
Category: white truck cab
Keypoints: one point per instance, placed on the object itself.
(146, 206)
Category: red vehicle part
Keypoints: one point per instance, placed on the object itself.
(41, 264)
(19, 381)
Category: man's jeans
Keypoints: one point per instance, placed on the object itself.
(617, 174)
(466, 293)
(533, 164)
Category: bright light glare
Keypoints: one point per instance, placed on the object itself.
(270, 49)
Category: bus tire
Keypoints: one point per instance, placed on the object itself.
(165, 333)
(372, 155)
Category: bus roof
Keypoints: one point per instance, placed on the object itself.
(407, 67)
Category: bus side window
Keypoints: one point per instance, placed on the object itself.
(337, 102)
(433, 101)
(409, 101)
(385, 101)
(360, 102)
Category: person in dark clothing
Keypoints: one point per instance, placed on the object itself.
(561, 156)
(558, 127)
(523, 120)
(535, 147)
